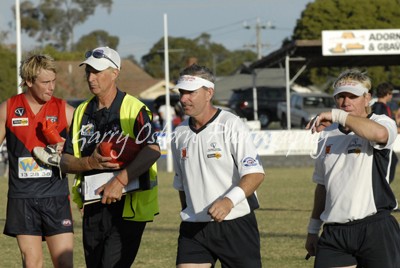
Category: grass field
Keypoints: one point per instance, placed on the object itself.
(286, 199)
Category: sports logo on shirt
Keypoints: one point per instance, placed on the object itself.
(87, 130)
(52, 118)
(249, 162)
(19, 122)
(214, 151)
(214, 155)
(328, 149)
(184, 153)
(28, 169)
(20, 111)
(354, 147)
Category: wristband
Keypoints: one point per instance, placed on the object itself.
(314, 226)
(236, 195)
(118, 179)
(339, 116)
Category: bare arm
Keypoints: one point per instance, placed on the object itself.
(222, 207)
(361, 126)
(69, 112)
(319, 201)
(3, 120)
(73, 165)
(144, 160)
(142, 163)
(319, 206)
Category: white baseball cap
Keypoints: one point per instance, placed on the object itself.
(102, 58)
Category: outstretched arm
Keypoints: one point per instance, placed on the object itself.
(361, 126)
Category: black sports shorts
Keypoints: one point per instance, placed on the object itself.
(235, 243)
(38, 216)
(372, 242)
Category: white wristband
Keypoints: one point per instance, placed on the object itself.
(236, 195)
(314, 226)
(339, 116)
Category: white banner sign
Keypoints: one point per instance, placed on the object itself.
(280, 142)
(361, 42)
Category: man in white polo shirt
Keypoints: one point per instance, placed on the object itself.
(217, 172)
(353, 197)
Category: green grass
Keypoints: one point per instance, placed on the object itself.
(285, 197)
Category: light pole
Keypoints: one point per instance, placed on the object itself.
(258, 28)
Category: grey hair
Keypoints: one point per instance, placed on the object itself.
(199, 71)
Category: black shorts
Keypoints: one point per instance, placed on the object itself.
(38, 216)
(235, 243)
(372, 242)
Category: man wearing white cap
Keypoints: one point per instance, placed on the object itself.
(113, 226)
(217, 171)
(353, 197)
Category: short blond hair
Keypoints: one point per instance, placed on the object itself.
(33, 64)
(355, 75)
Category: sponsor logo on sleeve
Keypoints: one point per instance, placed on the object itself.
(249, 162)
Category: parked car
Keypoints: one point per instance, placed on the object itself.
(304, 107)
(241, 102)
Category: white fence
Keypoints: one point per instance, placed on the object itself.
(280, 142)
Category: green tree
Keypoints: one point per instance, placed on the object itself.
(8, 75)
(53, 21)
(343, 14)
(181, 50)
(96, 39)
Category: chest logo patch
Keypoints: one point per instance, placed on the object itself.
(214, 151)
(87, 130)
(354, 147)
(52, 118)
(20, 111)
(20, 122)
(184, 153)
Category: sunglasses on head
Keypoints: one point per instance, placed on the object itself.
(98, 55)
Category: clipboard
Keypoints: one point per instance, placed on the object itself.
(93, 182)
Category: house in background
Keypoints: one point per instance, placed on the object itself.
(71, 81)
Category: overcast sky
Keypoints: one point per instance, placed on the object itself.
(139, 23)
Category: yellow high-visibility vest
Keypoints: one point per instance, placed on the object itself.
(141, 205)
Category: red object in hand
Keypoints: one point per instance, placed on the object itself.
(49, 129)
(123, 150)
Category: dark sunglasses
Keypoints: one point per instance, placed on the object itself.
(98, 55)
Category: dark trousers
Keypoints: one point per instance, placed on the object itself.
(108, 239)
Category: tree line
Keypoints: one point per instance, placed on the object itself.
(51, 23)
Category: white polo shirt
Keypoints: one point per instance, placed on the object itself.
(355, 173)
(210, 161)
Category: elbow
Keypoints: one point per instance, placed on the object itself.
(261, 178)
(155, 152)
(382, 137)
